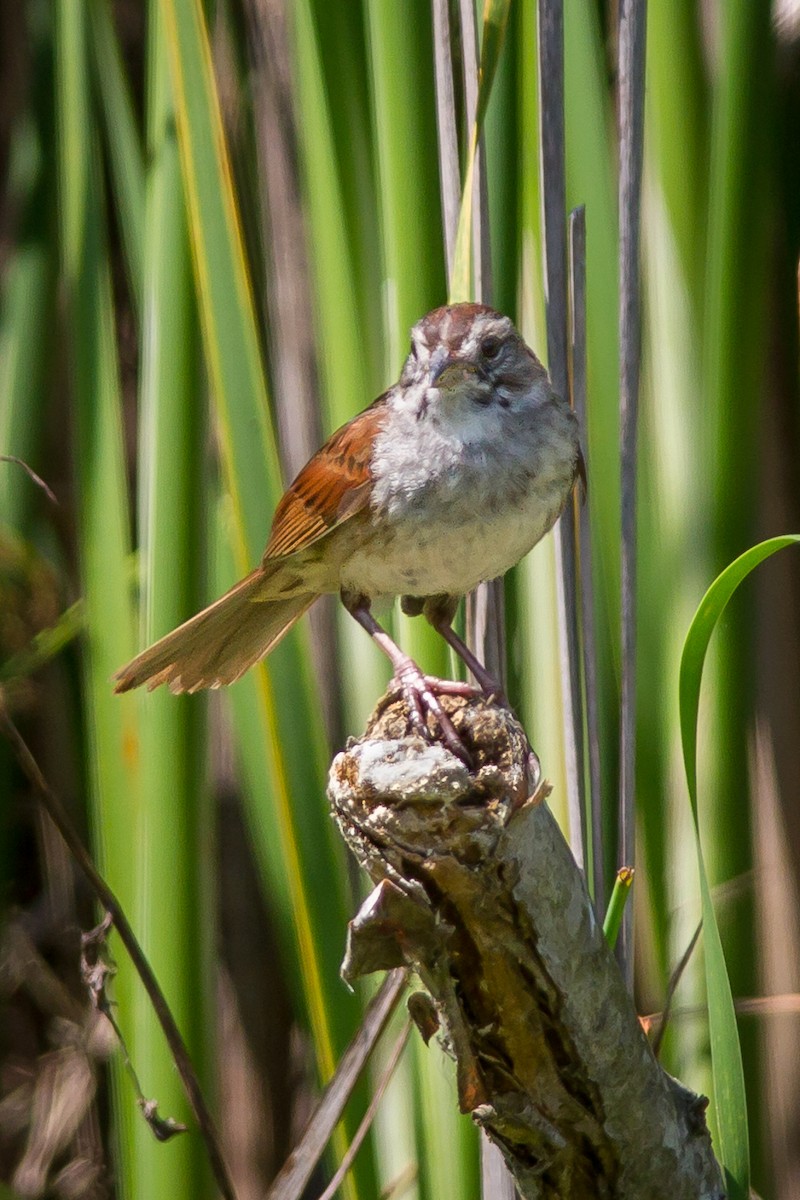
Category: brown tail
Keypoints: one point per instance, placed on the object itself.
(219, 644)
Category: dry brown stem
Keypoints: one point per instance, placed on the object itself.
(477, 891)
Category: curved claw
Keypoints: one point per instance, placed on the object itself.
(419, 690)
(420, 694)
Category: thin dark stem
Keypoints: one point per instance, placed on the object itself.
(299, 1167)
(553, 188)
(481, 266)
(60, 818)
(37, 479)
(672, 987)
(449, 172)
(632, 27)
(588, 640)
(348, 1158)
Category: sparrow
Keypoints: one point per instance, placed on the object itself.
(448, 479)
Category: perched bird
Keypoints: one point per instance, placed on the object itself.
(447, 479)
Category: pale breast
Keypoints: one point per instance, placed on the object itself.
(454, 504)
(452, 551)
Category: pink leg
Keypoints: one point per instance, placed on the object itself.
(489, 685)
(419, 690)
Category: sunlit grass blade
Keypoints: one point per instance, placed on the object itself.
(174, 806)
(338, 171)
(737, 344)
(591, 181)
(123, 139)
(230, 335)
(674, 482)
(503, 169)
(677, 113)
(453, 1174)
(342, 62)
(103, 520)
(289, 741)
(493, 32)
(413, 263)
(405, 132)
(351, 366)
(737, 231)
(468, 43)
(730, 1103)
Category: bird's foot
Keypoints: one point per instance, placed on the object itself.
(488, 687)
(420, 694)
(453, 687)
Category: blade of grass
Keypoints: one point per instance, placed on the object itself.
(739, 341)
(678, 130)
(729, 1092)
(123, 141)
(350, 339)
(103, 521)
(413, 266)
(25, 318)
(339, 33)
(26, 305)
(485, 606)
(501, 135)
(174, 804)
(456, 1174)
(288, 746)
(592, 181)
(290, 334)
(114, 914)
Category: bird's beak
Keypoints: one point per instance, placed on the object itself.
(446, 371)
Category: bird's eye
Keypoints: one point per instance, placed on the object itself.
(490, 347)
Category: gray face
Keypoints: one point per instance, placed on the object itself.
(469, 354)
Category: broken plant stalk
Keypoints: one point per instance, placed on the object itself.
(477, 892)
